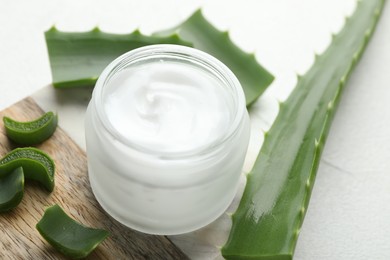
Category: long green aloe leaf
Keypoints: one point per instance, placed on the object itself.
(267, 222)
(77, 59)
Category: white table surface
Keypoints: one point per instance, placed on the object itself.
(349, 212)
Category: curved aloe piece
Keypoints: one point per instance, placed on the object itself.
(11, 189)
(66, 235)
(267, 222)
(36, 164)
(77, 59)
(204, 36)
(32, 132)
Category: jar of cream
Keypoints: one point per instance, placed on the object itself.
(167, 132)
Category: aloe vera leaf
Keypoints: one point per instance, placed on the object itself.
(32, 132)
(267, 222)
(77, 59)
(68, 236)
(11, 189)
(204, 36)
(36, 164)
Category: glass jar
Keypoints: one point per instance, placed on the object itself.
(165, 191)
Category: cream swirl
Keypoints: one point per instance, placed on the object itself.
(168, 107)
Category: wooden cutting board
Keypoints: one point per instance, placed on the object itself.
(19, 238)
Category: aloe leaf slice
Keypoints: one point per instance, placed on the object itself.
(68, 236)
(36, 164)
(11, 189)
(267, 222)
(77, 59)
(204, 36)
(32, 132)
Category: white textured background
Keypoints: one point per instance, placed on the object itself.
(349, 213)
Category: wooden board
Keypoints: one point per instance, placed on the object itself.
(19, 238)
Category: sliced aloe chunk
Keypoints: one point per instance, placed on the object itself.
(267, 222)
(36, 164)
(68, 236)
(11, 189)
(32, 132)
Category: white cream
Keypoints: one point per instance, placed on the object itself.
(169, 106)
(167, 132)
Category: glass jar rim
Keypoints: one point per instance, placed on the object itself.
(209, 64)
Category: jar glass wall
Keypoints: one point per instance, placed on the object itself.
(170, 184)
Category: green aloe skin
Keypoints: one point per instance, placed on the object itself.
(77, 59)
(11, 189)
(267, 222)
(37, 165)
(68, 236)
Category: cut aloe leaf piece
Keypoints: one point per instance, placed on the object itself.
(77, 59)
(267, 222)
(204, 36)
(11, 189)
(32, 132)
(36, 164)
(68, 236)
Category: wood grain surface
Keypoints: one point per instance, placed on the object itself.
(19, 238)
